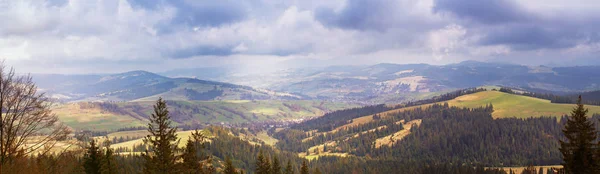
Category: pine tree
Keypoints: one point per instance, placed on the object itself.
(162, 141)
(275, 166)
(92, 159)
(304, 168)
(529, 170)
(317, 171)
(190, 154)
(190, 158)
(288, 168)
(578, 149)
(208, 168)
(229, 168)
(109, 163)
(262, 164)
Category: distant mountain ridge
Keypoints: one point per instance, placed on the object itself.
(143, 85)
(367, 84)
(388, 80)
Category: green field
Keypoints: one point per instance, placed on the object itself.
(182, 135)
(509, 105)
(505, 106)
(82, 116)
(112, 116)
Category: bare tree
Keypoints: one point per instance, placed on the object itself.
(27, 124)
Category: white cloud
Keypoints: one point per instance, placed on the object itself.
(84, 36)
(444, 41)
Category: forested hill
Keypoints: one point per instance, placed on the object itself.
(147, 86)
(476, 127)
(435, 134)
(508, 104)
(589, 98)
(334, 119)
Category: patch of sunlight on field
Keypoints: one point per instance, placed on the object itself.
(182, 135)
(134, 133)
(263, 136)
(505, 106)
(509, 105)
(265, 111)
(315, 157)
(391, 139)
(520, 169)
(236, 101)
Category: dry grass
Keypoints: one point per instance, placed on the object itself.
(391, 139)
(520, 169)
(314, 157)
(182, 135)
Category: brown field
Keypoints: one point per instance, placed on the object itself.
(520, 169)
(391, 139)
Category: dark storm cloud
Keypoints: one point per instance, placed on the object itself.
(504, 22)
(199, 12)
(531, 37)
(199, 51)
(359, 15)
(484, 11)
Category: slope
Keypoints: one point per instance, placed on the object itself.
(145, 86)
(111, 116)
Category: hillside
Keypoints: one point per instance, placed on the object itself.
(395, 83)
(380, 132)
(511, 105)
(505, 106)
(437, 133)
(112, 116)
(147, 86)
(369, 84)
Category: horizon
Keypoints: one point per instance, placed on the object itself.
(231, 70)
(83, 37)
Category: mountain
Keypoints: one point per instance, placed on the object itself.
(111, 116)
(489, 128)
(367, 84)
(396, 82)
(143, 85)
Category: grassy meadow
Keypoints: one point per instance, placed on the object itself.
(97, 117)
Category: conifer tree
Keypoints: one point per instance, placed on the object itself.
(190, 159)
(229, 168)
(109, 163)
(317, 171)
(288, 168)
(191, 162)
(162, 140)
(578, 149)
(529, 170)
(275, 166)
(304, 168)
(262, 164)
(208, 168)
(92, 159)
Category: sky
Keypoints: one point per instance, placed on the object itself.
(107, 36)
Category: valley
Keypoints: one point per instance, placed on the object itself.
(368, 115)
(107, 116)
(299, 87)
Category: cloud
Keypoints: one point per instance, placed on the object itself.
(72, 34)
(360, 14)
(487, 12)
(378, 15)
(198, 13)
(531, 37)
(523, 26)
